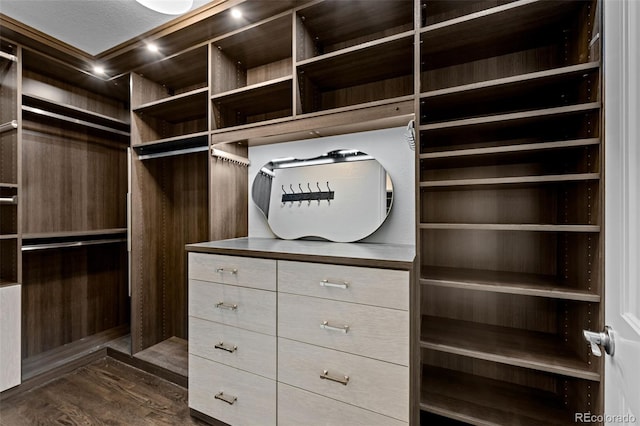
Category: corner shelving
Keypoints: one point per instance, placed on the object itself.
(509, 167)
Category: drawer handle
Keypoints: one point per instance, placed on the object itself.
(222, 305)
(229, 399)
(231, 271)
(325, 326)
(326, 283)
(338, 379)
(227, 348)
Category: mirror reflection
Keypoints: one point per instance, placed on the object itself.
(343, 195)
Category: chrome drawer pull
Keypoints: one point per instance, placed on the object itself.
(231, 271)
(326, 283)
(342, 379)
(223, 305)
(227, 348)
(325, 326)
(229, 399)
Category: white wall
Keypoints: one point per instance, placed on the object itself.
(388, 146)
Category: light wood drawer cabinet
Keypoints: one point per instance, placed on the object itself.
(298, 407)
(369, 286)
(231, 395)
(232, 346)
(374, 332)
(345, 377)
(242, 307)
(234, 270)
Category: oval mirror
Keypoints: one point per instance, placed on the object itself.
(343, 196)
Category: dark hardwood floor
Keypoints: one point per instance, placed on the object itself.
(105, 392)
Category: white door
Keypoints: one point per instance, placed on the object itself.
(622, 209)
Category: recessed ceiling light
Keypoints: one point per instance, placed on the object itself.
(98, 69)
(236, 13)
(168, 7)
(152, 47)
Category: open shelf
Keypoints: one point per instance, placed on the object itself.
(511, 180)
(505, 282)
(178, 145)
(183, 107)
(328, 26)
(518, 347)
(484, 401)
(511, 227)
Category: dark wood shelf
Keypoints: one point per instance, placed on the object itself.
(8, 185)
(272, 95)
(70, 111)
(504, 282)
(73, 234)
(247, 45)
(522, 348)
(183, 107)
(483, 401)
(381, 59)
(511, 180)
(8, 236)
(535, 227)
(525, 148)
(184, 70)
(490, 26)
(185, 144)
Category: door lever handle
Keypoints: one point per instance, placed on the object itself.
(604, 339)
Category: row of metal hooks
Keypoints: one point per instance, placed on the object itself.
(308, 196)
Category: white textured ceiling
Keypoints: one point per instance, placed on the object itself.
(90, 25)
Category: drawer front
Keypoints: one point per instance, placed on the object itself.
(242, 307)
(234, 270)
(232, 346)
(378, 287)
(255, 396)
(346, 377)
(374, 332)
(298, 407)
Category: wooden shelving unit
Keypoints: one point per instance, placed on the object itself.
(509, 209)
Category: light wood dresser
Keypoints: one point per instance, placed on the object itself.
(301, 333)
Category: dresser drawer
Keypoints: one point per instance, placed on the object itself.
(346, 377)
(213, 387)
(232, 346)
(234, 270)
(370, 286)
(298, 407)
(374, 332)
(242, 307)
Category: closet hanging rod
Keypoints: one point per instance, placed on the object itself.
(5, 127)
(226, 156)
(73, 120)
(71, 244)
(9, 200)
(173, 152)
(8, 56)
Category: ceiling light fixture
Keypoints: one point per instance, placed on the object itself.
(168, 7)
(236, 13)
(98, 69)
(152, 47)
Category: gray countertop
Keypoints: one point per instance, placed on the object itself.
(396, 256)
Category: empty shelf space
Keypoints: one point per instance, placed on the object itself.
(511, 180)
(67, 119)
(504, 282)
(525, 148)
(328, 26)
(493, 24)
(185, 144)
(511, 227)
(523, 348)
(484, 401)
(182, 107)
(263, 89)
(71, 112)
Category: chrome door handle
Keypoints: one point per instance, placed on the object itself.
(325, 326)
(229, 399)
(231, 271)
(222, 305)
(604, 339)
(227, 348)
(326, 283)
(341, 379)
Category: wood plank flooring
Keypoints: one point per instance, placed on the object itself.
(105, 392)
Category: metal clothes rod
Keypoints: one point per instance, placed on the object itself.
(9, 200)
(8, 56)
(171, 153)
(5, 127)
(71, 244)
(226, 156)
(73, 120)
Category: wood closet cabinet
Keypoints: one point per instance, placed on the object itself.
(510, 209)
